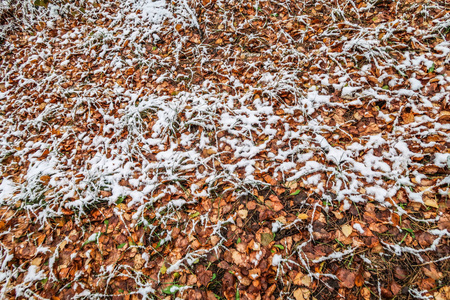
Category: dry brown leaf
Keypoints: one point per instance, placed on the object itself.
(210, 295)
(214, 240)
(290, 185)
(238, 258)
(44, 179)
(395, 288)
(243, 213)
(408, 118)
(443, 293)
(138, 261)
(427, 284)
(269, 179)
(298, 295)
(346, 277)
(432, 272)
(306, 281)
(254, 273)
(270, 290)
(37, 261)
(251, 205)
(365, 293)
(298, 278)
(338, 215)
(277, 206)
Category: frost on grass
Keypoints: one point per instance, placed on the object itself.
(154, 120)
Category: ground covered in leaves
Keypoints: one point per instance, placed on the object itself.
(201, 149)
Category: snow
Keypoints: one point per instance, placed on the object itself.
(152, 143)
(334, 255)
(257, 258)
(33, 274)
(358, 228)
(276, 226)
(415, 84)
(349, 91)
(93, 238)
(7, 189)
(276, 260)
(145, 291)
(442, 160)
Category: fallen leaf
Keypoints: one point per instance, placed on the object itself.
(138, 261)
(302, 216)
(210, 295)
(298, 295)
(427, 284)
(306, 280)
(277, 206)
(270, 290)
(431, 202)
(238, 258)
(395, 288)
(359, 280)
(365, 293)
(443, 293)
(163, 269)
(432, 272)
(298, 277)
(266, 238)
(290, 185)
(242, 213)
(347, 230)
(37, 261)
(45, 179)
(251, 205)
(254, 273)
(346, 277)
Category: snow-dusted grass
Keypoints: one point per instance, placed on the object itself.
(81, 132)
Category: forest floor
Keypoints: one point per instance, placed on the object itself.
(202, 149)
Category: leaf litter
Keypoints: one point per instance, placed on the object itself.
(224, 149)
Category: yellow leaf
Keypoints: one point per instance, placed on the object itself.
(302, 216)
(290, 185)
(243, 213)
(163, 269)
(298, 294)
(306, 281)
(302, 294)
(431, 202)
(347, 230)
(122, 206)
(37, 261)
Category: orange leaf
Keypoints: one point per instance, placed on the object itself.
(359, 280)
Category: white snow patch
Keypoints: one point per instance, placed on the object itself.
(7, 189)
(415, 84)
(358, 228)
(33, 275)
(153, 11)
(276, 260)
